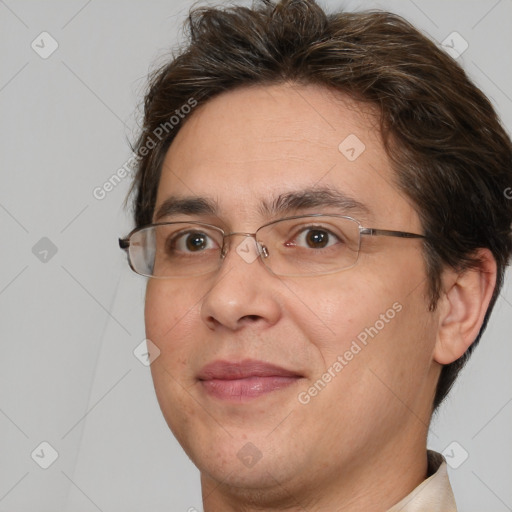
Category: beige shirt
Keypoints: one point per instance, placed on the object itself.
(432, 495)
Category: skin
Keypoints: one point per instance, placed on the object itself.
(360, 443)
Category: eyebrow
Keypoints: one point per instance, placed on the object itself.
(284, 204)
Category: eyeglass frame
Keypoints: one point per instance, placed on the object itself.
(124, 243)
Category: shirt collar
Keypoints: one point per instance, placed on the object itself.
(434, 494)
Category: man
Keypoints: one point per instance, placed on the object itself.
(320, 210)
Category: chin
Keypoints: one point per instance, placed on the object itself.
(246, 458)
(230, 471)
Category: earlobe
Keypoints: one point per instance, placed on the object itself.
(463, 306)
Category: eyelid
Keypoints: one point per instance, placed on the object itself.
(208, 220)
(304, 228)
(179, 235)
(210, 232)
(314, 224)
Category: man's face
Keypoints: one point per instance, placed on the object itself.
(243, 148)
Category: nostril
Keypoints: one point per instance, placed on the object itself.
(252, 318)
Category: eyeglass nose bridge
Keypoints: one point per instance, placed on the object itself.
(262, 249)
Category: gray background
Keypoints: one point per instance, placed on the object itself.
(71, 320)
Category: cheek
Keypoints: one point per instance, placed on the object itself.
(374, 353)
(335, 310)
(168, 309)
(171, 312)
(379, 319)
(171, 317)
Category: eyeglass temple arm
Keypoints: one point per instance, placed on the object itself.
(124, 243)
(388, 232)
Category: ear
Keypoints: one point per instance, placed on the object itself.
(462, 307)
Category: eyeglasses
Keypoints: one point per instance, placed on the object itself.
(303, 245)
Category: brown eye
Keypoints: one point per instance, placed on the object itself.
(196, 241)
(314, 237)
(191, 241)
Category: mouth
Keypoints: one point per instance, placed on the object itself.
(244, 380)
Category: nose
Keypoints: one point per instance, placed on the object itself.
(243, 292)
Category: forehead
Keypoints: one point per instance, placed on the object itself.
(244, 147)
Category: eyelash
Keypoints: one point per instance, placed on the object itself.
(318, 228)
(178, 238)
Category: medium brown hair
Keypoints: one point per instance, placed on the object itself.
(449, 151)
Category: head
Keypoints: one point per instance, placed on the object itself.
(259, 105)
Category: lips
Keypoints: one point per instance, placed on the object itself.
(247, 379)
